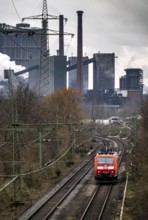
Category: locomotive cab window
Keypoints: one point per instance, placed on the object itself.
(104, 160)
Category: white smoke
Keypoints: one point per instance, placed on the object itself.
(131, 62)
(6, 63)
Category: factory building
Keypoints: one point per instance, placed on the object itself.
(22, 44)
(134, 78)
(54, 79)
(133, 83)
(103, 75)
(72, 75)
(24, 48)
(29, 47)
(122, 82)
(57, 73)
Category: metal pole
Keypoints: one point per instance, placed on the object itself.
(14, 184)
(40, 150)
(61, 36)
(80, 53)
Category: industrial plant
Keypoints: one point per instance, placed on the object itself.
(28, 46)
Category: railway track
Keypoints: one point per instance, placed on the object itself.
(95, 205)
(51, 203)
(95, 201)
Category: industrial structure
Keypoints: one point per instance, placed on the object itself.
(29, 47)
(132, 82)
(72, 75)
(104, 71)
(103, 75)
(21, 44)
(34, 41)
(80, 52)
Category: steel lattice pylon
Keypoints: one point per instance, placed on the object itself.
(43, 79)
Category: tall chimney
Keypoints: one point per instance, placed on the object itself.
(61, 35)
(80, 53)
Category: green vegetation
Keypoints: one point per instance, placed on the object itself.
(38, 140)
(136, 202)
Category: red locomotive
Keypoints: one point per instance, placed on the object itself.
(106, 166)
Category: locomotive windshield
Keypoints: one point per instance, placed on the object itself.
(104, 160)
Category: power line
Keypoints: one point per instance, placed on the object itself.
(16, 10)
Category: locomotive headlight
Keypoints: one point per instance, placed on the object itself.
(111, 167)
(100, 167)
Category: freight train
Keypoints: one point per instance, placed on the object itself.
(106, 167)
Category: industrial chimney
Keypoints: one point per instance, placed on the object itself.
(61, 35)
(80, 53)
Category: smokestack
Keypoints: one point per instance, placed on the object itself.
(80, 53)
(61, 36)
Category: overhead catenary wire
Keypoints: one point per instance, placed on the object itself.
(9, 30)
(16, 10)
(55, 159)
(43, 168)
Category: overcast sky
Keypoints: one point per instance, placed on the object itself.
(109, 26)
